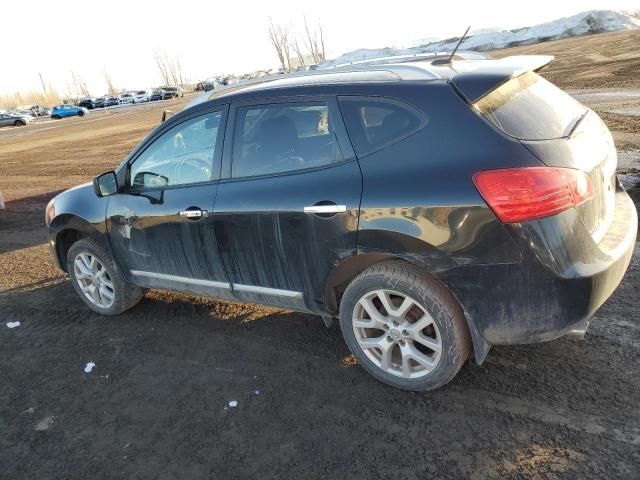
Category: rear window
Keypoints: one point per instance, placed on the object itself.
(529, 107)
(375, 122)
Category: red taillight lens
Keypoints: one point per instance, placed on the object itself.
(520, 194)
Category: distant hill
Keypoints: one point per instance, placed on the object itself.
(585, 23)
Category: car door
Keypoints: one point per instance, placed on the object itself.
(4, 120)
(287, 212)
(159, 223)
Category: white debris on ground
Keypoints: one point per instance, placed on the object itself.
(89, 367)
(592, 21)
(44, 424)
(233, 404)
(13, 324)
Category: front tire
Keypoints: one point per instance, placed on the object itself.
(405, 328)
(98, 281)
(81, 113)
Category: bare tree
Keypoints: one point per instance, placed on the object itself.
(279, 37)
(315, 41)
(109, 81)
(298, 51)
(170, 68)
(79, 84)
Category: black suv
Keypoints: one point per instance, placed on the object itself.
(436, 209)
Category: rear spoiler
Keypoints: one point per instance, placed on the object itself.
(486, 75)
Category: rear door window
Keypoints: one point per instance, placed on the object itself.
(529, 107)
(283, 137)
(374, 122)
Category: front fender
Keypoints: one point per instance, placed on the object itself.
(77, 212)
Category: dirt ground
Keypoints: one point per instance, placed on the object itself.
(155, 405)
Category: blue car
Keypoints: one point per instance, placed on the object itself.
(62, 111)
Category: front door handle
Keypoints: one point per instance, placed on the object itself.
(193, 213)
(330, 208)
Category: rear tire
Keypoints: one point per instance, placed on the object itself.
(98, 281)
(56, 117)
(20, 123)
(418, 341)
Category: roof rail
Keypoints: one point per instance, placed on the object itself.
(410, 57)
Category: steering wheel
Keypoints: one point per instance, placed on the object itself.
(195, 169)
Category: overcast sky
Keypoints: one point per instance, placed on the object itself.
(213, 37)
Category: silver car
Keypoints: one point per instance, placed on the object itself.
(13, 119)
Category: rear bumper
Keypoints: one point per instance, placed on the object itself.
(563, 278)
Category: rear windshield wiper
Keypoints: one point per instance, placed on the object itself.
(578, 120)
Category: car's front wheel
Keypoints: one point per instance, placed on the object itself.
(20, 123)
(403, 327)
(98, 281)
(81, 113)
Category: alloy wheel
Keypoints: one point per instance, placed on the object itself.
(397, 333)
(93, 279)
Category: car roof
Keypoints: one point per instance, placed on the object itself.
(473, 76)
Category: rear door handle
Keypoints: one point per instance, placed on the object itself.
(315, 209)
(193, 213)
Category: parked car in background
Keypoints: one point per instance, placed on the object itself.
(436, 211)
(141, 96)
(173, 92)
(62, 111)
(40, 111)
(110, 101)
(157, 94)
(14, 119)
(88, 103)
(125, 98)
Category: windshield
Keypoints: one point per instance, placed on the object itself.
(529, 107)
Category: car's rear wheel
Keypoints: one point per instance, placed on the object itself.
(404, 327)
(56, 117)
(20, 123)
(98, 281)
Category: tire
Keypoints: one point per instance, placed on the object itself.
(81, 113)
(56, 117)
(410, 364)
(19, 123)
(124, 294)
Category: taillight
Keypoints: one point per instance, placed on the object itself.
(520, 194)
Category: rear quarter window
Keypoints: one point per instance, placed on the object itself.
(375, 122)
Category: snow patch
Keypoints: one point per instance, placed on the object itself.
(592, 21)
(89, 367)
(13, 324)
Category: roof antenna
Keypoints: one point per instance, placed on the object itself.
(446, 61)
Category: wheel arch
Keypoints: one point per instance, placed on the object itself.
(67, 230)
(351, 267)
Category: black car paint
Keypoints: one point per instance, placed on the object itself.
(436, 219)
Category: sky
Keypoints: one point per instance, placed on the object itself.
(89, 37)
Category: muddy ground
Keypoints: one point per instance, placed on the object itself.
(156, 403)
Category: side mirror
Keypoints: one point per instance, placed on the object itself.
(150, 180)
(105, 184)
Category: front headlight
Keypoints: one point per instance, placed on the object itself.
(50, 212)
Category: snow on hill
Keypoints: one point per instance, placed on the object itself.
(592, 21)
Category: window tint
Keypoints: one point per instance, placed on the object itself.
(375, 122)
(183, 154)
(282, 137)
